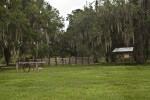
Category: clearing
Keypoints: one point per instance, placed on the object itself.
(71, 82)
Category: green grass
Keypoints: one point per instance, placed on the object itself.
(90, 82)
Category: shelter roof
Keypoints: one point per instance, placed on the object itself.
(124, 49)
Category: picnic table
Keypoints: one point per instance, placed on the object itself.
(28, 65)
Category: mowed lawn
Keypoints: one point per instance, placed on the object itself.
(71, 82)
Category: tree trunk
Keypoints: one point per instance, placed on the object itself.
(7, 55)
(140, 29)
(140, 54)
(140, 40)
(95, 60)
(107, 58)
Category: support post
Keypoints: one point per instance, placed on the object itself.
(37, 69)
(132, 58)
(123, 58)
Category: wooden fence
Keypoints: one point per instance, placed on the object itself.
(63, 61)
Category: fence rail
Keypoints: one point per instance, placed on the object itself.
(61, 61)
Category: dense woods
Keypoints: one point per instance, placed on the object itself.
(28, 28)
(32, 28)
(96, 31)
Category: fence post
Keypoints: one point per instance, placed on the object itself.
(56, 61)
(82, 60)
(69, 60)
(88, 59)
(42, 61)
(49, 61)
(76, 60)
(65, 61)
(17, 65)
(62, 60)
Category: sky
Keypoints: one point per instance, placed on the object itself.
(66, 6)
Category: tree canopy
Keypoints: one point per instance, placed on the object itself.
(28, 27)
(34, 28)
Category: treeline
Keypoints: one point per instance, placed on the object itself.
(96, 31)
(32, 29)
(28, 28)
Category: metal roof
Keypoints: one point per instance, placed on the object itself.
(125, 49)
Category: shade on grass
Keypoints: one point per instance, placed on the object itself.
(91, 82)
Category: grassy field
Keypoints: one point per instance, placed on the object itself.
(88, 82)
